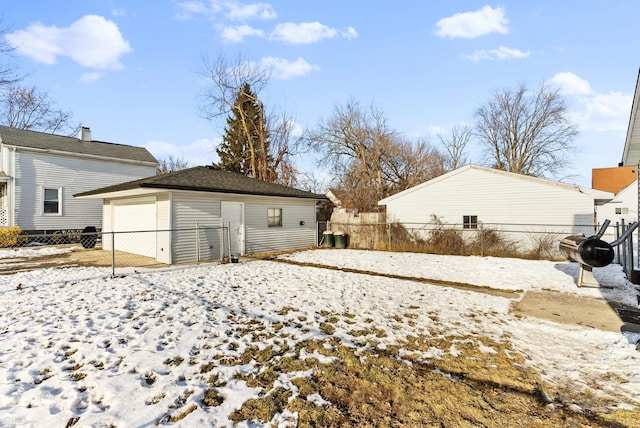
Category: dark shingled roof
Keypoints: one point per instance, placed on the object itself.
(208, 179)
(40, 140)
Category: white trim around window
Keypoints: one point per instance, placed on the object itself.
(51, 201)
(274, 217)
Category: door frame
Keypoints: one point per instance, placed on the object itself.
(240, 238)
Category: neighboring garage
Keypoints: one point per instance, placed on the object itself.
(179, 217)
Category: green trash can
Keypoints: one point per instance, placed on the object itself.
(340, 239)
(327, 239)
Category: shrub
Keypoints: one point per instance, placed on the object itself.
(543, 246)
(490, 242)
(444, 240)
(9, 236)
(403, 239)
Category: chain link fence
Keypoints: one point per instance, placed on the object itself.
(533, 241)
(154, 248)
(117, 250)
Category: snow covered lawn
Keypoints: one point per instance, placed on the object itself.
(191, 345)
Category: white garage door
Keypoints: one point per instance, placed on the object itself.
(138, 219)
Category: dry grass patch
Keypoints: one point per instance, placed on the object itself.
(263, 409)
(212, 398)
(178, 416)
(475, 382)
(155, 399)
(174, 361)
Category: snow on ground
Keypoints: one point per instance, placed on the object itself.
(494, 272)
(77, 343)
(25, 253)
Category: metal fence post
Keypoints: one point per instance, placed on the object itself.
(197, 242)
(624, 250)
(113, 255)
(630, 252)
(618, 248)
(229, 238)
(221, 241)
(481, 240)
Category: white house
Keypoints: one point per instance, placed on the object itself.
(474, 195)
(623, 207)
(625, 204)
(631, 151)
(40, 172)
(178, 217)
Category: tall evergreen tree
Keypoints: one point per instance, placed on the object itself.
(245, 145)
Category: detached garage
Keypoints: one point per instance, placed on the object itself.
(203, 213)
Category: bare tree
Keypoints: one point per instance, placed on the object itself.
(8, 74)
(283, 143)
(526, 133)
(28, 108)
(172, 164)
(455, 144)
(368, 159)
(313, 181)
(267, 135)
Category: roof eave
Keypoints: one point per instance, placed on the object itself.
(82, 155)
(230, 191)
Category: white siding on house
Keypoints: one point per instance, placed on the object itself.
(626, 202)
(164, 236)
(35, 171)
(631, 151)
(495, 197)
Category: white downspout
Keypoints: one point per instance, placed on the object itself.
(12, 190)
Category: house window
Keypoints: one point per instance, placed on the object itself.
(469, 221)
(52, 201)
(622, 210)
(274, 217)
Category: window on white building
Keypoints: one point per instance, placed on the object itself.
(469, 221)
(52, 201)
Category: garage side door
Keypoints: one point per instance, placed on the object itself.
(139, 218)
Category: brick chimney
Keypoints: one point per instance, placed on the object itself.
(84, 134)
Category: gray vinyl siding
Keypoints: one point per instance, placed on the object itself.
(204, 209)
(494, 198)
(35, 171)
(190, 210)
(261, 238)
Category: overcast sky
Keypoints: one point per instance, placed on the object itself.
(130, 70)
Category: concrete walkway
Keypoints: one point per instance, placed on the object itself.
(574, 310)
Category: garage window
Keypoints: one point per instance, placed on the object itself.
(622, 210)
(274, 217)
(469, 221)
(52, 201)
